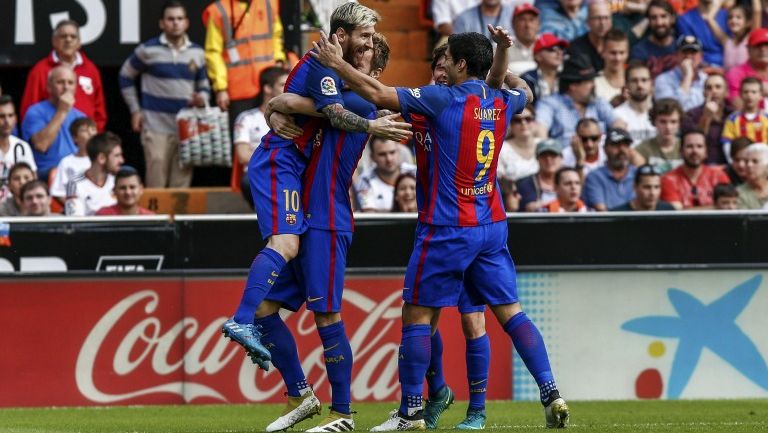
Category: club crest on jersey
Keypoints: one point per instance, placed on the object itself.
(290, 218)
(318, 139)
(328, 86)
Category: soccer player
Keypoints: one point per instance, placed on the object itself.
(277, 166)
(316, 275)
(462, 229)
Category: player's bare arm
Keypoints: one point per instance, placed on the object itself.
(290, 103)
(329, 53)
(385, 127)
(500, 58)
(514, 82)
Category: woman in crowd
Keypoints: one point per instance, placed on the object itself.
(517, 158)
(404, 199)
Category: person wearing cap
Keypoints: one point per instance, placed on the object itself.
(756, 66)
(657, 50)
(560, 112)
(128, 192)
(692, 185)
(477, 19)
(647, 192)
(548, 54)
(526, 24)
(539, 188)
(591, 43)
(694, 22)
(568, 190)
(685, 82)
(585, 153)
(663, 150)
(611, 185)
(566, 21)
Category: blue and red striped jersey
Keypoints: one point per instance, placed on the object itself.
(461, 133)
(311, 79)
(328, 176)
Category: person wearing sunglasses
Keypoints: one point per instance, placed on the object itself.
(647, 192)
(517, 158)
(586, 151)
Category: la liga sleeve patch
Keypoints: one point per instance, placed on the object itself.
(328, 86)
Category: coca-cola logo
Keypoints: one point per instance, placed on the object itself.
(131, 341)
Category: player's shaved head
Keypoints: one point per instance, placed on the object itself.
(475, 49)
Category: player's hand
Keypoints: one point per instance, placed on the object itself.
(328, 52)
(284, 126)
(500, 36)
(136, 120)
(222, 100)
(387, 127)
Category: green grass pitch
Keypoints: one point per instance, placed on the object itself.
(623, 416)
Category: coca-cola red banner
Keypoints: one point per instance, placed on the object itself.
(157, 341)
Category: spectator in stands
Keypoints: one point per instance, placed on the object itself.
(629, 18)
(591, 43)
(35, 199)
(694, 23)
(12, 149)
(241, 39)
(548, 54)
(560, 112)
(635, 111)
(526, 24)
(726, 197)
(375, 188)
(20, 174)
(517, 158)
(251, 126)
(611, 185)
(172, 71)
(647, 192)
(88, 96)
(756, 66)
(46, 124)
(691, 185)
(685, 82)
(128, 191)
(740, 22)
(539, 188)
(753, 193)
(74, 164)
(509, 194)
(566, 21)
(737, 169)
(445, 11)
(751, 121)
(609, 85)
(93, 190)
(568, 191)
(477, 18)
(657, 50)
(585, 153)
(663, 150)
(404, 199)
(710, 116)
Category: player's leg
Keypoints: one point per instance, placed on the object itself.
(478, 357)
(500, 293)
(323, 262)
(275, 176)
(440, 395)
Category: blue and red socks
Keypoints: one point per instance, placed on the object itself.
(415, 354)
(435, 378)
(530, 345)
(277, 338)
(338, 364)
(478, 363)
(264, 271)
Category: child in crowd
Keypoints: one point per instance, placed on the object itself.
(740, 22)
(751, 121)
(75, 164)
(726, 197)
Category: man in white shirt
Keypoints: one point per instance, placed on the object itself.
(75, 164)
(93, 190)
(375, 188)
(586, 151)
(526, 25)
(12, 149)
(635, 111)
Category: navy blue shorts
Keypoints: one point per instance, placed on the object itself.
(316, 275)
(275, 176)
(447, 261)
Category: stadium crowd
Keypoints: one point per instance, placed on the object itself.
(639, 105)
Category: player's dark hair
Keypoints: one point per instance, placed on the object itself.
(102, 143)
(20, 166)
(87, 121)
(725, 190)
(665, 107)
(380, 52)
(739, 144)
(436, 54)
(562, 170)
(172, 4)
(475, 49)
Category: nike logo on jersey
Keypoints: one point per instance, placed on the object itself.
(331, 348)
(478, 382)
(274, 274)
(314, 299)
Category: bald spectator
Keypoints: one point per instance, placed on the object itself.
(20, 174)
(710, 116)
(568, 191)
(12, 149)
(658, 49)
(591, 43)
(685, 82)
(694, 22)
(46, 124)
(647, 192)
(88, 90)
(756, 66)
(526, 23)
(128, 192)
(566, 21)
(635, 111)
(478, 18)
(548, 53)
(35, 199)
(663, 150)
